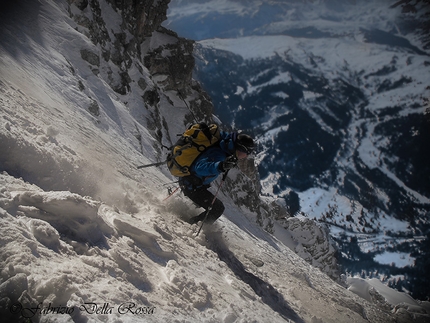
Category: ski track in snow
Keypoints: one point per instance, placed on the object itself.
(82, 228)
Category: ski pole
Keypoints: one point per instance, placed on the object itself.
(213, 201)
(150, 165)
(171, 193)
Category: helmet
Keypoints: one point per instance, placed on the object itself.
(244, 143)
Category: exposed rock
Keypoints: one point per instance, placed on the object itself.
(81, 4)
(173, 58)
(141, 18)
(94, 108)
(151, 97)
(138, 20)
(313, 244)
(142, 84)
(90, 57)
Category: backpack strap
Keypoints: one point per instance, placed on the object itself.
(207, 131)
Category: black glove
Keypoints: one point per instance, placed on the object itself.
(228, 164)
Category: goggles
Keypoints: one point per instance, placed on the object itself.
(244, 149)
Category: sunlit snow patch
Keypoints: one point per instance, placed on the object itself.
(399, 259)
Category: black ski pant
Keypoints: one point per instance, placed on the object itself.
(203, 198)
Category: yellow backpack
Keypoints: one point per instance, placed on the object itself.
(195, 140)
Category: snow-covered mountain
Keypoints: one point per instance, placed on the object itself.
(89, 90)
(337, 94)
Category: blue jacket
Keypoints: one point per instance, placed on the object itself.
(206, 168)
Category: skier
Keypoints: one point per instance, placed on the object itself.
(207, 167)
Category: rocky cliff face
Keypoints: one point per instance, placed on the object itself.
(123, 52)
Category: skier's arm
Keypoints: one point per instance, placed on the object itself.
(208, 164)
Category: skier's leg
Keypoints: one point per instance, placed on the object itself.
(203, 198)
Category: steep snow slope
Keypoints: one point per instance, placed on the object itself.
(86, 237)
(71, 258)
